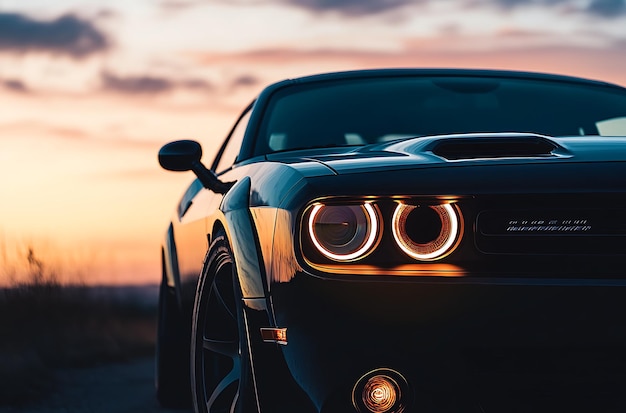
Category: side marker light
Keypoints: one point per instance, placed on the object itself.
(274, 335)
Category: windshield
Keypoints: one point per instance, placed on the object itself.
(364, 111)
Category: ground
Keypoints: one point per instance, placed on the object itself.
(110, 388)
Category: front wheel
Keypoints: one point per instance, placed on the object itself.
(220, 363)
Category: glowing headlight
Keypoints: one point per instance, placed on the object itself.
(343, 232)
(426, 232)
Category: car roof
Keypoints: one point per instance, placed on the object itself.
(430, 72)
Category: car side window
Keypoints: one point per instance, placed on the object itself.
(230, 151)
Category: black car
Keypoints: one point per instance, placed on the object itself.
(403, 241)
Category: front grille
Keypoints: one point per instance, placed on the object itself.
(566, 225)
(552, 231)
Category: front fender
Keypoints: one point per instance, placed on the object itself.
(250, 233)
(243, 240)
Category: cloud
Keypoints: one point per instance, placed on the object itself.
(14, 85)
(351, 7)
(282, 56)
(515, 3)
(148, 84)
(575, 60)
(106, 14)
(355, 8)
(177, 5)
(607, 8)
(245, 80)
(67, 35)
(195, 84)
(135, 84)
(598, 8)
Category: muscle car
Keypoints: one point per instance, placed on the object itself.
(402, 240)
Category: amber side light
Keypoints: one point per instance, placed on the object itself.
(274, 335)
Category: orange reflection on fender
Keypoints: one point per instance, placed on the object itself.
(284, 264)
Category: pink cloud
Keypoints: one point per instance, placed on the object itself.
(606, 64)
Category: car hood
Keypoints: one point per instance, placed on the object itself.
(459, 150)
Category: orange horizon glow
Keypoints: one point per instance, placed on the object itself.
(79, 133)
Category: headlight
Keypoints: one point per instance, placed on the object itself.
(426, 232)
(344, 232)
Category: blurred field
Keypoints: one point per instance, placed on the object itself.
(47, 326)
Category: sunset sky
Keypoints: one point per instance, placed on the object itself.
(91, 89)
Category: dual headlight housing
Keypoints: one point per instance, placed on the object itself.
(349, 231)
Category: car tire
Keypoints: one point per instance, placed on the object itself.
(172, 377)
(220, 362)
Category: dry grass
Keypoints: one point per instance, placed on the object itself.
(46, 325)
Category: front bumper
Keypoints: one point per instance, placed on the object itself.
(463, 346)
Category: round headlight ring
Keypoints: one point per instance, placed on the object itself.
(450, 225)
(343, 232)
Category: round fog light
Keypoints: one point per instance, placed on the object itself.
(380, 391)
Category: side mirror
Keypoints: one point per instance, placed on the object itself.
(185, 156)
(180, 155)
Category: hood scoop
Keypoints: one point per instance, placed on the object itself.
(477, 146)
